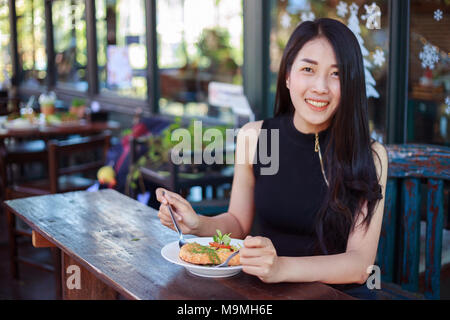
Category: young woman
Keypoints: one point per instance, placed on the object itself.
(321, 213)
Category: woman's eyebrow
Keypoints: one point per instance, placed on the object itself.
(316, 63)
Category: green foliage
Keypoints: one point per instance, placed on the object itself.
(125, 132)
(78, 102)
(159, 148)
(216, 51)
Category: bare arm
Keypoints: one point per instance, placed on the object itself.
(239, 218)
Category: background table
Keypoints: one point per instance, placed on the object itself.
(42, 134)
(116, 242)
(49, 132)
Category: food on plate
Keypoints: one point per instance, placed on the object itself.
(205, 255)
(213, 254)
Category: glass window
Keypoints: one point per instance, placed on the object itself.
(5, 55)
(369, 22)
(70, 41)
(429, 73)
(122, 51)
(31, 41)
(199, 42)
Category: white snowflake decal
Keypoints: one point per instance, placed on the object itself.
(438, 15)
(429, 56)
(354, 8)
(285, 21)
(373, 16)
(378, 57)
(308, 16)
(342, 9)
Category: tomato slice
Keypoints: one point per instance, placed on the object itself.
(215, 244)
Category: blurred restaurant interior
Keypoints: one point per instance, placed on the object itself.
(169, 51)
(146, 67)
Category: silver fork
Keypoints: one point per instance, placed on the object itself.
(225, 263)
(181, 241)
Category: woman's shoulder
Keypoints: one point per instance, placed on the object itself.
(247, 141)
(250, 131)
(379, 149)
(253, 125)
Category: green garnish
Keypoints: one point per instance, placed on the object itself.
(222, 239)
(213, 257)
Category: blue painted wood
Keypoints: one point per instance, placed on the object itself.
(386, 246)
(410, 164)
(419, 161)
(433, 249)
(409, 278)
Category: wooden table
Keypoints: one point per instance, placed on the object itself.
(49, 132)
(116, 243)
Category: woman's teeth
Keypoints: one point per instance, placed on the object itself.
(317, 104)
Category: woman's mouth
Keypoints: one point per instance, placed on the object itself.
(317, 105)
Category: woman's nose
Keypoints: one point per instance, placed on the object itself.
(320, 85)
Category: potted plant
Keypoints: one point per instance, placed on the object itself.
(217, 55)
(78, 107)
(158, 155)
(47, 103)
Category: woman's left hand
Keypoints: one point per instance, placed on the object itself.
(259, 258)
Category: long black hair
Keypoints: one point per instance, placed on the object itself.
(349, 163)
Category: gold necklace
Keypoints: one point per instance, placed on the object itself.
(317, 149)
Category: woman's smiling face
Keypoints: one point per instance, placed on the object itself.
(314, 86)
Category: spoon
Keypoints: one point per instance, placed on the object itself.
(225, 263)
(181, 241)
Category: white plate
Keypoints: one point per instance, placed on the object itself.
(171, 251)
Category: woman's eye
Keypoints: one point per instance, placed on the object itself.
(307, 69)
(336, 74)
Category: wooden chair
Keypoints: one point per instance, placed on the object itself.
(5, 100)
(64, 178)
(61, 178)
(14, 157)
(399, 247)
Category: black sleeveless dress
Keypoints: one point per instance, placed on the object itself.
(286, 203)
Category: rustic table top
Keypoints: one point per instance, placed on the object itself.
(83, 127)
(119, 240)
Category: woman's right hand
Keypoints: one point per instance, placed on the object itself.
(186, 218)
